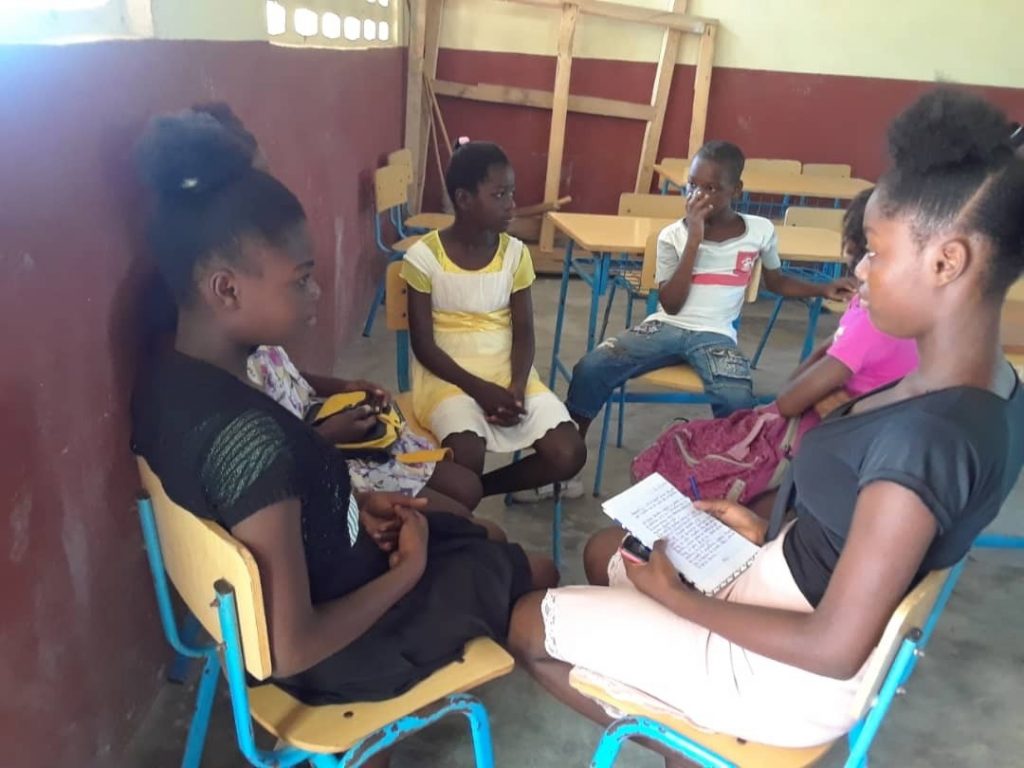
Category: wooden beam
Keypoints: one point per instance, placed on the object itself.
(632, 13)
(559, 113)
(529, 97)
(659, 102)
(424, 33)
(415, 106)
(702, 89)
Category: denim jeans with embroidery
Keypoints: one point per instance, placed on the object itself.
(652, 345)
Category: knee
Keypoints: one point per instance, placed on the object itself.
(566, 454)
(526, 628)
(469, 488)
(597, 552)
(543, 572)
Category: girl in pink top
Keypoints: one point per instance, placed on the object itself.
(859, 357)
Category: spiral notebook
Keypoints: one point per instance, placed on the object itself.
(707, 553)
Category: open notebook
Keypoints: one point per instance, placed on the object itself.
(709, 554)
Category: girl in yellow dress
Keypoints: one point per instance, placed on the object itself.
(471, 327)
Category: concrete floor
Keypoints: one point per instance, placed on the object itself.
(965, 700)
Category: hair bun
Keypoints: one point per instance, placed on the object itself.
(949, 130)
(190, 153)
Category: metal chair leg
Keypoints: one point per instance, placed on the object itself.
(207, 687)
(602, 448)
(177, 672)
(608, 310)
(631, 727)
(764, 337)
(378, 299)
(556, 527)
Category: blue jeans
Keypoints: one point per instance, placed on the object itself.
(652, 345)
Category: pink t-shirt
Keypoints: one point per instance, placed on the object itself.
(875, 358)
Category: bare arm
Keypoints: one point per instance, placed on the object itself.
(889, 535)
(811, 359)
(784, 285)
(302, 634)
(523, 341)
(818, 381)
(429, 355)
(672, 293)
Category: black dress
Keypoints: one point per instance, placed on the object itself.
(224, 451)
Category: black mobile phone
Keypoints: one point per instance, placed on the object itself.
(632, 548)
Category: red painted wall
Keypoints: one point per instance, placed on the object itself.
(811, 118)
(80, 649)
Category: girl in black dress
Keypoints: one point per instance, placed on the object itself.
(366, 594)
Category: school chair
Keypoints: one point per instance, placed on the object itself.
(219, 582)
(627, 274)
(390, 193)
(770, 206)
(683, 383)
(894, 659)
(419, 223)
(396, 311)
(801, 216)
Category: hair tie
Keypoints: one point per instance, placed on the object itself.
(462, 140)
(189, 183)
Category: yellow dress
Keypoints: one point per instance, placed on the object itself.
(473, 324)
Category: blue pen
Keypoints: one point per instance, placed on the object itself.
(694, 488)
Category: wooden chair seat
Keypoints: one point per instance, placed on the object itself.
(746, 754)
(681, 378)
(404, 403)
(336, 727)
(632, 277)
(430, 221)
(406, 243)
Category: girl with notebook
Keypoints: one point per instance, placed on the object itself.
(893, 485)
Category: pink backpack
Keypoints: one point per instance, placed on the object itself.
(738, 457)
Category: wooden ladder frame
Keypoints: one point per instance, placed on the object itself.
(424, 35)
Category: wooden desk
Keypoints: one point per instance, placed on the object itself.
(600, 233)
(774, 183)
(810, 244)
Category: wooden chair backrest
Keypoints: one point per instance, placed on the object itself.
(396, 298)
(1016, 292)
(404, 157)
(391, 186)
(650, 264)
(652, 206)
(762, 165)
(912, 613)
(825, 218)
(838, 170)
(197, 553)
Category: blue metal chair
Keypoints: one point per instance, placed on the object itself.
(391, 194)
(407, 224)
(219, 582)
(397, 313)
(682, 382)
(895, 657)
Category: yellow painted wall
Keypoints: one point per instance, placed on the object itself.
(974, 42)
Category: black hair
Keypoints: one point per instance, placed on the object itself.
(470, 164)
(225, 115)
(727, 155)
(953, 164)
(208, 197)
(854, 238)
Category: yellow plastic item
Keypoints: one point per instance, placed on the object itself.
(336, 727)
(389, 421)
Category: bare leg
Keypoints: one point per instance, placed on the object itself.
(598, 552)
(469, 450)
(457, 482)
(558, 456)
(542, 569)
(526, 642)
